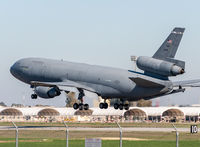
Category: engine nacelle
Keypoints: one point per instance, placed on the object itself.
(157, 66)
(47, 92)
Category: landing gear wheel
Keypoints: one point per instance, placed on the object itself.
(105, 105)
(75, 106)
(116, 106)
(81, 106)
(86, 107)
(121, 106)
(126, 106)
(34, 96)
(101, 105)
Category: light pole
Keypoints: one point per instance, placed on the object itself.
(16, 134)
(120, 134)
(177, 136)
(67, 132)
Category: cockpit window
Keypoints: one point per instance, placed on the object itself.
(24, 67)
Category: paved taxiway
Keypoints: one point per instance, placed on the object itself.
(97, 129)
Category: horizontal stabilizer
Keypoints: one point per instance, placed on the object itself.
(145, 83)
(188, 83)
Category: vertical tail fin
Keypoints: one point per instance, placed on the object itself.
(169, 47)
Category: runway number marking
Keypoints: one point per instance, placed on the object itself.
(193, 129)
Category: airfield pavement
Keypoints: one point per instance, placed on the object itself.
(144, 129)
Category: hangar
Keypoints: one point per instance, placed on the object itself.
(10, 112)
(134, 114)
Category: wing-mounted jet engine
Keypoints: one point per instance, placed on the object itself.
(46, 92)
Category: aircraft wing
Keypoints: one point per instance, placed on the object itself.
(188, 83)
(64, 86)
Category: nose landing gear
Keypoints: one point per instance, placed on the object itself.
(34, 96)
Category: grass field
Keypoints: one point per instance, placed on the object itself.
(50, 138)
(76, 135)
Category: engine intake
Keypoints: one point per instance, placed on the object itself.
(157, 66)
(47, 92)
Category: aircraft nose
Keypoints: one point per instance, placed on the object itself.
(13, 69)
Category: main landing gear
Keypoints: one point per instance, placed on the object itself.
(80, 105)
(122, 105)
(103, 105)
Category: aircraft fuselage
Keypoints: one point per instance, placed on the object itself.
(108, 82)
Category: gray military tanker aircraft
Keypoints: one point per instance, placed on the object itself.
(50, 77)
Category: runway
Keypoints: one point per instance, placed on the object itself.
(132, 129)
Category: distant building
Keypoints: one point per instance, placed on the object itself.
(134, 114)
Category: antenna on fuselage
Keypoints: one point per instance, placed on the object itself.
(134, 59)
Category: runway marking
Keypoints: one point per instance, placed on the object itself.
(124, 138)
(142, 129)
(9, 141)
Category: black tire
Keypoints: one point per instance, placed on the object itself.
(105, 105)
(34, 96)
(126, 106)
(75, 106)
(121, 107)
(101, 105)
(116, 106)
(86, 107)
(81, 106)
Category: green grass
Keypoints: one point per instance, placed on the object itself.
(77, 135)
(80, 143)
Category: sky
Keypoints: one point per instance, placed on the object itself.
(105, 32)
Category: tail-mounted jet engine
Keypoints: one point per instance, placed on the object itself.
(160, 67)
(47, 92)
